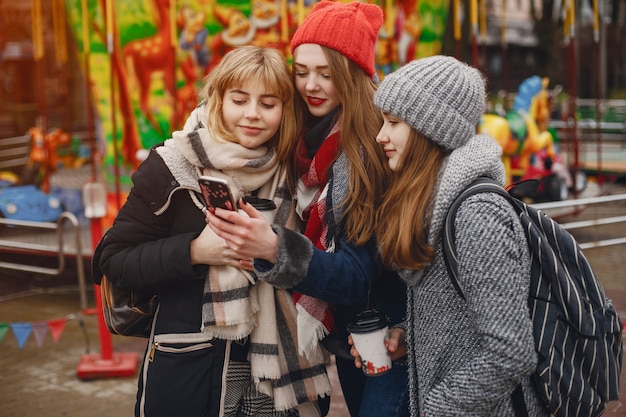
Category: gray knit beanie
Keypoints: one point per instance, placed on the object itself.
(439, 96)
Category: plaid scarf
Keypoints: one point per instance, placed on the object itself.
(235, 305)
(313, 187)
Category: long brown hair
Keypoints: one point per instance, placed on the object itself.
(360, 122)
(405, 212)
(253, 63)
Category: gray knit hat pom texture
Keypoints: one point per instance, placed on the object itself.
(439, 96)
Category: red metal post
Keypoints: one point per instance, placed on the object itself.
(106, 345)
(106, 364)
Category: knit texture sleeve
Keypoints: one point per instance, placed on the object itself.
(494, 270)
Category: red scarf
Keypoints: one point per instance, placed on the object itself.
(313, 172)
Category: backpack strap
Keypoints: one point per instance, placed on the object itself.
(519, 403)
(479, 185)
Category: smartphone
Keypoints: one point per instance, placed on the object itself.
(216, 193)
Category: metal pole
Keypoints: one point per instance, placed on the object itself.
(106, 349)
(603, 21)
(42, 119)
(596, 55)
(474, 30)
(111, 43)
(106, 364)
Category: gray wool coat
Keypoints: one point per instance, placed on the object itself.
(467, 356)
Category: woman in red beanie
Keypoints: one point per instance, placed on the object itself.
(339, 175)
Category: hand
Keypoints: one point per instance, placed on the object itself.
(249, 236)
(210, 249)
(396, 345)
(354, 353)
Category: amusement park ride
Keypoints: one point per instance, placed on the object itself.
(529, 151)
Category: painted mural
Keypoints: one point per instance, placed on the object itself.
(147, 57)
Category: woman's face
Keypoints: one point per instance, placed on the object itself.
(394, 136)
(313, 79)
(251, 113)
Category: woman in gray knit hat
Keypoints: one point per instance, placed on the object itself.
(466, 357)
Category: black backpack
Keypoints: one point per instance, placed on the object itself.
(577, 332)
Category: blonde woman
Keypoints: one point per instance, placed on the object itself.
(220, 344)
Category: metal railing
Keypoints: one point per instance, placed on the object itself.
(39, 248)
(581, 203)
(589, 129)
(610, 128)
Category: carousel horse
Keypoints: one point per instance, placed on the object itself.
(523, 132)
(45, 155)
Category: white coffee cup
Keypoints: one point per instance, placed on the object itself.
(370, 333)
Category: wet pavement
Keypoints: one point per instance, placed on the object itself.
(40, 379)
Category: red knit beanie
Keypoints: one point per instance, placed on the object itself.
(349, 28)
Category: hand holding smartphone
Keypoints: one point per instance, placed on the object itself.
(216, 193)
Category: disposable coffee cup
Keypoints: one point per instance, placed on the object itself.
(265, 206)
(369, 331)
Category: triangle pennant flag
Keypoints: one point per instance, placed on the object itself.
(21, 332)
(40, 329)
(56, 327)
(4, 328)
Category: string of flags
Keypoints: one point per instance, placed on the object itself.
(39, 329)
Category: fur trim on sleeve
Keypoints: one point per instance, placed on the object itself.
(292, 260)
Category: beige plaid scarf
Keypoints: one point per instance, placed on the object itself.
(235, 305)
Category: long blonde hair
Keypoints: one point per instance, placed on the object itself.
(404, 214)
(360, 122)
(240, 65)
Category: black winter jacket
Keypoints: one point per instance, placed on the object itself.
(147, 251)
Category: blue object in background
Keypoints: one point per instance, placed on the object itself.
(27, 202)
(71, 200)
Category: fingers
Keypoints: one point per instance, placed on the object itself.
(248, 237)
(395, 338)
(223, 226)
(221, 219)
(228, 222)
(247, 264)
(396, 344)
(354, 352)
(210, 249)
(356, 356)
(249, 209)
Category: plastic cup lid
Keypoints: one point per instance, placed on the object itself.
(260, 204)
(368, 321)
